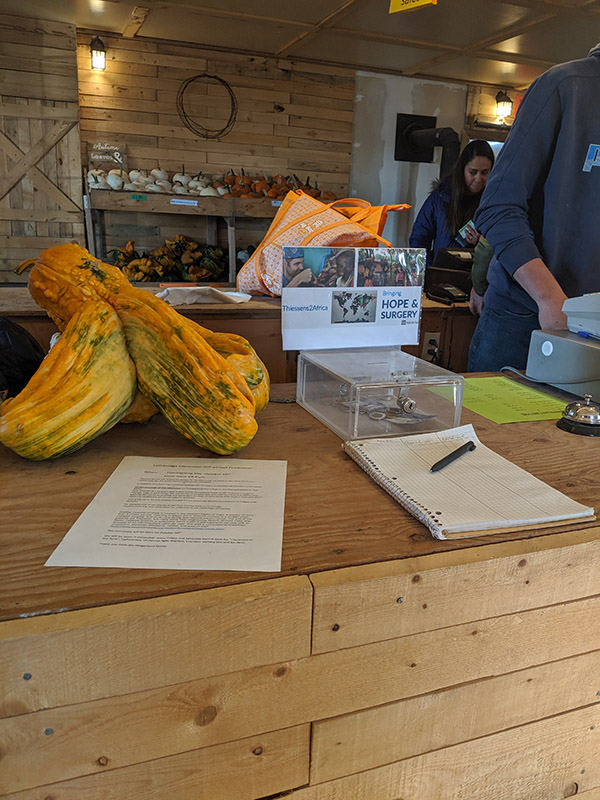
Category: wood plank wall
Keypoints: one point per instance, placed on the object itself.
(293, 118)
(40, 173)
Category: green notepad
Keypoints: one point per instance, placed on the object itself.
(503, 400)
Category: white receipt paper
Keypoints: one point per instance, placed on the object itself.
(182, 513)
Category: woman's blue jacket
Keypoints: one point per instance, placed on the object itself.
(429, 229)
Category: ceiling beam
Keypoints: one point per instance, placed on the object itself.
(225, 13)
(344, 66)
(501, 36)
(404, 41)
(326, 22)
(513, 58)
(135, 21)
(560, 6)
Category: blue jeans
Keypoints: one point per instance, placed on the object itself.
(501, 339)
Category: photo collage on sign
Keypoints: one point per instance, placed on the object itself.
(351, 269)
(327, 290)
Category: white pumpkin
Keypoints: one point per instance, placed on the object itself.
(181, 177)
(222, 190)
(130, 187)
(94, 174)
(165, 185)
(134, 174)
(209, 191)
(179, 189)
(115, 181)
(159, 174)
(199, 183)
(152, 187)
(98, 182)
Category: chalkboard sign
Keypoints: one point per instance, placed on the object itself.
(107, 155)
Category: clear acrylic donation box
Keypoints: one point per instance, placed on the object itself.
(377, 391)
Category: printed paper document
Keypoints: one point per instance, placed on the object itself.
(182, 513)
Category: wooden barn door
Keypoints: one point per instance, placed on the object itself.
(40, 162)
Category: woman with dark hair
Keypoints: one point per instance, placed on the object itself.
(452, 204)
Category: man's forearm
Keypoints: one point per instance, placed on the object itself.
(537, 280)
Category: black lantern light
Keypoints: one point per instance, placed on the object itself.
(98, 51)
(503, 106)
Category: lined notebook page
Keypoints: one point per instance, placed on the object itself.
(479, 492)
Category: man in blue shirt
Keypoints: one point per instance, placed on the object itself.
(540, 212)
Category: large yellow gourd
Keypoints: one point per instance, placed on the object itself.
(81, 389)
(195, 388)
(208, 390)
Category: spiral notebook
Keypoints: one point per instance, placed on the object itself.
(479, 493)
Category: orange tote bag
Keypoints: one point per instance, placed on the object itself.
(303, 220)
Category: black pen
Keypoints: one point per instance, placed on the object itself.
(443, 462)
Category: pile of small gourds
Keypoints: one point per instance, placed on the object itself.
(276, 187)
(229, 185)
(124, 354)
(156, 180)
(178, 259)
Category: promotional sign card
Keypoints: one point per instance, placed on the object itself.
(107, 155)
(336, 297)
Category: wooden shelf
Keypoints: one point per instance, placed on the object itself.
(228, 208)
(110, 200)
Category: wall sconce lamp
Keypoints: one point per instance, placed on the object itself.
(503, 106)
(98, 51)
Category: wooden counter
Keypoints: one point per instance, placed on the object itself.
(259, 321)
(379, 663)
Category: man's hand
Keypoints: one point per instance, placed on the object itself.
(306, 276)
(542, 286)
(475, 303)
(551, 317)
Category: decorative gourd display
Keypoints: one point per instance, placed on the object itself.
(229, 185)
(194, 387)
(208, 385)
(178, 259)
(82, 388)
(63, 276)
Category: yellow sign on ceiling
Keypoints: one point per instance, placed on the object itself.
(409, 5)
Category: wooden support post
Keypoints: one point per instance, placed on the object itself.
(230, 221)
(89, 226)
(211, 231)
(97, 218)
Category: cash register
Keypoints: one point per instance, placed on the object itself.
(451, 268)
(570, 360)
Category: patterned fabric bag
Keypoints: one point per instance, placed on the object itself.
(304, 221)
